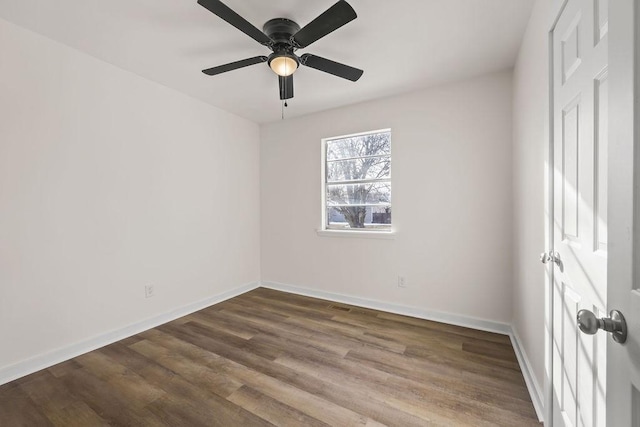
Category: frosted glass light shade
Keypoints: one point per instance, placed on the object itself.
(283, 65)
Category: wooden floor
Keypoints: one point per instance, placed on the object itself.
(272, 358)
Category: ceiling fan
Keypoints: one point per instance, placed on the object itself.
(284, 36)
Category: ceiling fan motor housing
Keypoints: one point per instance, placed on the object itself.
(280, 30)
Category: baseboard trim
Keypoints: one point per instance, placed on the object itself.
(36, 363)
(436, 316)
(537, 396)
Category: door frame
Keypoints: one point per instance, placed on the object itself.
(624, 195)
(624, 231)
(556, 12)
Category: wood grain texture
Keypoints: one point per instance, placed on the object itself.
(272, 358)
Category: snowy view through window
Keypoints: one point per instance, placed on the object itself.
(358, 182)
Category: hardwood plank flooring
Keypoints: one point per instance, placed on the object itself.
(271, 358)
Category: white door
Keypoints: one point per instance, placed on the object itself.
(587, 97)
(580, 135)
(623, 364)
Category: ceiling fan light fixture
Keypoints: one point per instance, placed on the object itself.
(283, 64)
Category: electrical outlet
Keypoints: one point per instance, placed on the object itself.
(149, 291)
(401, 282)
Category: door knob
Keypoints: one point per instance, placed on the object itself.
(545, 257)
(589, 324)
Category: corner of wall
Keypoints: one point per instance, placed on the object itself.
(535, 391)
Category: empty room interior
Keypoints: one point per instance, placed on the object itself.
(294, 213)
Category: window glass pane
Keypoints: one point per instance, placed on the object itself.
(359, 194)
(359, 146)
(358, 217)
(350, 203)
(365, 168)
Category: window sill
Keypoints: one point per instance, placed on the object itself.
(387, 235)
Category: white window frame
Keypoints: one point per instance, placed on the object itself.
(388, 233)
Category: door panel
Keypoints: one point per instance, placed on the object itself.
(601, 19)
(601, 158)
(570, 184)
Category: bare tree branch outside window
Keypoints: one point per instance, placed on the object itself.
(358, 181)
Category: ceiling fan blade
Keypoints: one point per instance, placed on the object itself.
(286, 87)
(333, 18)
(234, 65)
(331, 67)
(223, 11)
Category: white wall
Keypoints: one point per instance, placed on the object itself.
(452, 202)
(109, 182)
(530, 147)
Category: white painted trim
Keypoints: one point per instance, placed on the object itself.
(557, 9)
(536, 393)
(353, 135)
(420, 313)
(42, 361)
(389, 235)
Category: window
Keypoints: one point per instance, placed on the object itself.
(357, 182)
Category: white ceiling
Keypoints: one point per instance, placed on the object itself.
(402, 46)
